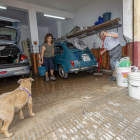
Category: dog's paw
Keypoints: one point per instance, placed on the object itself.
(10, 135)
(32, 114)
(21, 117)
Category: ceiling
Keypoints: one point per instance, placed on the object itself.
(18, 15)
(23, 17)
(64, 5)
(43, 21)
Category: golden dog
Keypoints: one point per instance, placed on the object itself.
(14, 101)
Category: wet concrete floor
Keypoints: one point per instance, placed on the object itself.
(60, 105)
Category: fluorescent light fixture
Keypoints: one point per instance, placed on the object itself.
(3, 7)
(53, 16)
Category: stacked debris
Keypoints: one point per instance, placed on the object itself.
(77, 42)
(76, 29)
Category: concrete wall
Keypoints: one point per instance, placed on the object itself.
(87, 15)
(59, 28)
(53, 29)
(25, 33)
(42, 31)
(137, 20)
(128, 20)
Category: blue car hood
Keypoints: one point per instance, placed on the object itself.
(13, 24)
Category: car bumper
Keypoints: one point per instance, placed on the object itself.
(15, 71)
(83, 68)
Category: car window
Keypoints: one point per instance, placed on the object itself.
(71, 46)
(58, 49)
(7, 34)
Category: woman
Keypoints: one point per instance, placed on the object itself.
(47, 55)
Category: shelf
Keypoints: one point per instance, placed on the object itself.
(95, 29)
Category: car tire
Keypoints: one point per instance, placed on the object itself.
(62, 72)
(26, 75)
(90, 71)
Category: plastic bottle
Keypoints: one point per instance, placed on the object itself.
(117, 63)
(114, 63)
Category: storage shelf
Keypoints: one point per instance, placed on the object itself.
(95, 29)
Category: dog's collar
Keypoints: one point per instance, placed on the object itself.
(29, 94)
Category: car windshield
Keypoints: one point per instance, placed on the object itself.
(71, 46)
(8, 34)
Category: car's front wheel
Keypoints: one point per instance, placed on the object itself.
(62, 72)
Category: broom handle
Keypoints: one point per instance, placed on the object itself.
(101, 55)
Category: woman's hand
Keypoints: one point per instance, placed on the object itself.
(42, 62)
(42, 53)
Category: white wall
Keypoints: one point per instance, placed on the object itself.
(128, 19)
(42, 31)
(59, 28)
(33, 28)
(53, 29)
(88, 15)
(25, 33)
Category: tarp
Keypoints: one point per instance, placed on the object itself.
(78, 43)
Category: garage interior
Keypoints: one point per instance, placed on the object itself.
(81, 107)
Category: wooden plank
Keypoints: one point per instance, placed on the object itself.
(37, 61)
(95, 52)
(130, 52)
(108, 61)
(97, 27)
(124, 51)
(34, 65)
(105, 63)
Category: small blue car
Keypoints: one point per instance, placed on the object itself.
(69, 59)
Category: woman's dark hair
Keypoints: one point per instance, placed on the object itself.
(46, 38)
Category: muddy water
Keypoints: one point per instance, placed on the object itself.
(54, 97)
(46, 92)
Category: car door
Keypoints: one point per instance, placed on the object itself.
(58, 54)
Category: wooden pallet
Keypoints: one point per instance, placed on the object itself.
(104, 25)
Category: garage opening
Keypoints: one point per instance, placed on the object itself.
(76, 105)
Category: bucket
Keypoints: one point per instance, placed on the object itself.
(42, 71)
(107, 16)
(125, 63)
(121, 76)
(125, 58)
(134, 85)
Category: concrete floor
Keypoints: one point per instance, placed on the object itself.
(81, 107)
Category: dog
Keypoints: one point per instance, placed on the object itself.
(14, 101)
